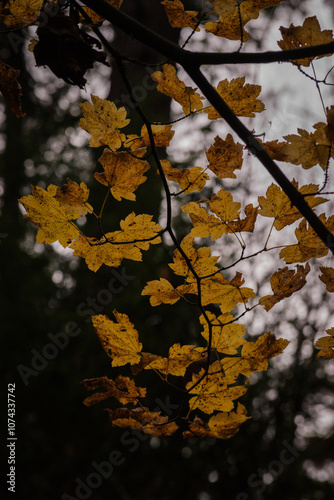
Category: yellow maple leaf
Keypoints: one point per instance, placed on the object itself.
(240, 97)
(118, 338)
(162, 292)
(234, 15)
(284, 283)
(248, 223)
(122, 388)
(307, 149)
(254, 355)
(277, 204)
(22, 13)
(228, 26)
(226, 336)
(217, 290)
(169, 84)
(151, 423)
(178, 17)
(309, 244)
(326, 344)
(224, 425)
(74, 198)
(103, 121)
(201, 260)
(305, 36)
(327, 277)
(189, 179)
(123, 173)
(178, 360)
(98, 252)
(224, 157)
(136, 228)
(213, 393)
(45, 211)
(113, 247)
(225, 211)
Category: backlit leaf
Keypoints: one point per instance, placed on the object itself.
(277, 204)
(178, 17)
(222, 426)
(123, 173)
(45, 211)
(179, 358)
(326, 344)
(122, 388)
(213, 393)
(169, 84)
(305, 150)
(304, 36)
(224, 157)
(284, 283)
(240, 97)
(103, 121)
(189, 179)
(74, 198)
(144, 420)
(309, 244)
(226, 336)
(118, 338)
(327, 277)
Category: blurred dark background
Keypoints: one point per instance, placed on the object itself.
(64, 449)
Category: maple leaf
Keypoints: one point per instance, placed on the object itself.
(217, 290)
(119, 338)
(305, 150)
(74, 198)
(162, 292)
(45, 211)
(247, 224)
(98, 252)
(222, 426)
(254, 355)
(226, 336)
(305, 36)
(178, 17)
(22, 13)
(144, 420)
(122, 388)
(10, 88)
(169, 84)
(326, 344)
(200, 259)
(189, 179)
(113, 247)
(327, 277)
(309, 244)
(224, 156)
(103, 121)
(274, 149)
(178, 360)
(277, 204)
(123, 173)
(228, 26)
(240, 97)
(225, 210)
(284, 283)
(212, 393)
